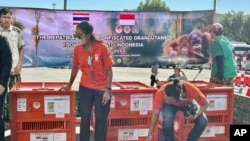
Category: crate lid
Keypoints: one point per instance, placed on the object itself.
(129, 85)
(38, 86)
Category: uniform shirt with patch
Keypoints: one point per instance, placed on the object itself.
(101, 60)
(15, 39)
(192, 93)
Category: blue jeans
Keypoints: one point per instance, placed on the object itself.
(88, 99)
(168, 113)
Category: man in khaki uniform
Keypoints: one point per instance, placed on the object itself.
(16, 42)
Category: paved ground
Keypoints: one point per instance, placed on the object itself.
(120, 74)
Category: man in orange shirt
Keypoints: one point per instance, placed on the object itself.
(93, 58)
(168, 99)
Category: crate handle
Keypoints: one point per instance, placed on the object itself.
(129, 88)
(43, 89)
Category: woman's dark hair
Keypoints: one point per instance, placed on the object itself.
(87, 28)
(173, 90)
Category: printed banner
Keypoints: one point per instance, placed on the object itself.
(134, 39)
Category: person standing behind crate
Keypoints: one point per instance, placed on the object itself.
(168, 100)
(223, 68)
(5, 68)
(177, 75)
(153, 76)
(93, 58)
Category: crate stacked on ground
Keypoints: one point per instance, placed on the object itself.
(219, 114)
(39, 111)
(130, 112)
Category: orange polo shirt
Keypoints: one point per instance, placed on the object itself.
(101, 60)
(192, 92)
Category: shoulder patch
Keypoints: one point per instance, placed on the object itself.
(16, 29)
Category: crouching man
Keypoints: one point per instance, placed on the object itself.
(174, 96)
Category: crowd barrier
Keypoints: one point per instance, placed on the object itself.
(242, 81)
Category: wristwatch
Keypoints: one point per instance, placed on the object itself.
(108, 88)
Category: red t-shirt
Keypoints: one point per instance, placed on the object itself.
(192, 92)
(101, 60)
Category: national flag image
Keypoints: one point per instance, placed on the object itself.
(78, 17)
(127, 19)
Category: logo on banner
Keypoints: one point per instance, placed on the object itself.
(79, 17)
(127, 19)
(118, 29)
(135, 29)
(127, 29)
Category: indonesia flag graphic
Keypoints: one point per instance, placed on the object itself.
(78, 17)
(127, 19)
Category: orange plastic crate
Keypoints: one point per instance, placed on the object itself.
(40, 111)
(133, 128)
(219, 113)
(131, 98)
(217, 128)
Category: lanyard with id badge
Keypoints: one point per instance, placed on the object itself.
(92, 75)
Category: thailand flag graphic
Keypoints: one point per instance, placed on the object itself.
(127, 19)
(78, 17)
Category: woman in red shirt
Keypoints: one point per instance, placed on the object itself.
(94, 60)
